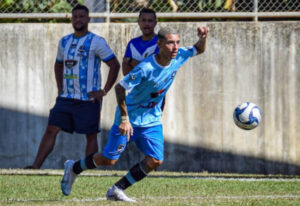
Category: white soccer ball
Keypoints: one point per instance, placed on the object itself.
(247, 116)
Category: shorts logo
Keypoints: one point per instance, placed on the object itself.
(120, 147)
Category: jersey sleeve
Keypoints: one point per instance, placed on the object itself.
(185, 53)
(60, 52)
(133, 78)
(128, 53)
(188, 52)
(103, 50)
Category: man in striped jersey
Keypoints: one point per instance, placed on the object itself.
(78, 77)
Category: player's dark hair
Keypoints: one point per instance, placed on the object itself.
(80, 7)
(164, 31)
(147, 11)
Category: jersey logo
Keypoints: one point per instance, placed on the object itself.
(156, 94)
(81, 51)
(132, 77)
(70, 63)
(66, 76)
(120, 147)
(173, 74)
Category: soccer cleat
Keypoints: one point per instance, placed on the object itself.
(116, 194)
(68, 178)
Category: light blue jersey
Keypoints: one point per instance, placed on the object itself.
(139, 49)
(147, 84)
(81, 57)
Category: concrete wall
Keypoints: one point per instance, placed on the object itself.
(257, 62)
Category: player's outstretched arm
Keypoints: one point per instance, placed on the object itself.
(125, 126)
(201, 43)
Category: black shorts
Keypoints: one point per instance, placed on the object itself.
(78, 116)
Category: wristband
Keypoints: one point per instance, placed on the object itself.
(124, 119)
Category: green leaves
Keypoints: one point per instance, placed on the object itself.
(210, 5)
(37, 6)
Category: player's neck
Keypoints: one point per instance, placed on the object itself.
(80, 33)
(148, 37)
(163, 61)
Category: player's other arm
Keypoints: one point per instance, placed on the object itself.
(200, 45)
(58, 70)
(114, 67)
(125, 126)
(128, 64)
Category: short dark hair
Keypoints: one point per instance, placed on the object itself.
(147, 11)
(164, 31)
(80, 7)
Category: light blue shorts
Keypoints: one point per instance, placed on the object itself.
(148, 139)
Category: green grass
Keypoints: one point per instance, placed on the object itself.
(20, 187)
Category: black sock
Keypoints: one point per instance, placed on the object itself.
(84, 164)
(134, 175)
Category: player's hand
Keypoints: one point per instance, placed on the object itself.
(97, 95)
(126, 129)
(202, 31)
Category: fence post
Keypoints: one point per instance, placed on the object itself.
(108, 11)
(255, 10)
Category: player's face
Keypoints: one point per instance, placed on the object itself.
(169, 46)
(147, 23)
(80, 20)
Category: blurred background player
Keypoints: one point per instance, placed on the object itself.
(138, 115)
(78, 78)
(143, 46)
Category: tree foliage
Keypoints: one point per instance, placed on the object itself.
(37, 6)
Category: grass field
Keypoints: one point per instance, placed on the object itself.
(42, 187)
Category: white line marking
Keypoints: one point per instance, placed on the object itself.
(119, 174)
(245, 179)
(221, 197)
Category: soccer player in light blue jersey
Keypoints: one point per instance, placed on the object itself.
(138, 115)
(80, 91)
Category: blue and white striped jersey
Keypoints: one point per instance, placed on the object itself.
(81, 57)
(148, 84)
(139, 49)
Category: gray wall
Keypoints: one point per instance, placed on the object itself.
(258, 62)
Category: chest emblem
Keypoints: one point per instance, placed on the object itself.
(69, 63)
